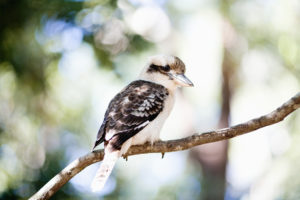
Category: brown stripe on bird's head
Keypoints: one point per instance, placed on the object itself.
(153, 68)
(178, 65)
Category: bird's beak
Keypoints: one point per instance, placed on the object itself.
(182, 80)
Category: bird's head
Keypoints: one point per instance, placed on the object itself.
(167, 71)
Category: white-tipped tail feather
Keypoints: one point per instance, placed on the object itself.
(105, 170)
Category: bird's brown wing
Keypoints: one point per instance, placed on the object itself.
(130, 111)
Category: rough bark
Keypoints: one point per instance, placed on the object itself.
(171, 145)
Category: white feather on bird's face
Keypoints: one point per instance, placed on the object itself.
(168, 71)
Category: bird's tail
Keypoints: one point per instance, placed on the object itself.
(105, 170)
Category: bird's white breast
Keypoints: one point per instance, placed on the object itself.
(152, 131)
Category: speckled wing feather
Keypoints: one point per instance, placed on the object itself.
(130, 111)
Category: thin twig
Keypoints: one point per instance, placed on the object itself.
(169, 146)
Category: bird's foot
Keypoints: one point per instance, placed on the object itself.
(155, 141)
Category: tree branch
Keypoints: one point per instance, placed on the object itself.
(171, 145)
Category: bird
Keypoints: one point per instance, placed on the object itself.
(137, 113)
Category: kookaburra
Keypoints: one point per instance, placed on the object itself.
(137, 114)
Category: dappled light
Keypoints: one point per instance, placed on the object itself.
(62, 61)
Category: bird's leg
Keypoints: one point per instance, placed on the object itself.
(158, 140)
(162, 155)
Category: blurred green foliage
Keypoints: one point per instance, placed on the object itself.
(29, 106)
(40, 121)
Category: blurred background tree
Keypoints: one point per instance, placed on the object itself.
(61, 61)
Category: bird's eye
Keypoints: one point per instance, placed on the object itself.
(166, 68)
